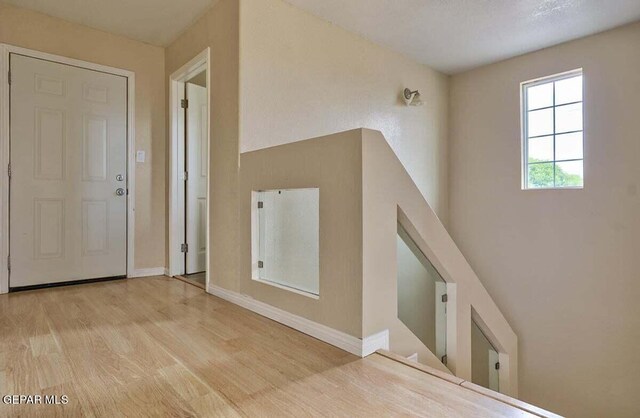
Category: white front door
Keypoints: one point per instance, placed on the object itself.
(68, 206)
(197, 143)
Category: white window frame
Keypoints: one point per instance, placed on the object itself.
(524, 113)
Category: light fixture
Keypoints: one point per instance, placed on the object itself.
(412, 98)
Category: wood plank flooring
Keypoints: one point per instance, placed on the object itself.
(161, 347)
(196, 279)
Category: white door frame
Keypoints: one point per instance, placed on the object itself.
(5, 50)
(176, 219)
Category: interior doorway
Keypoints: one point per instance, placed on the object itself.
(189, 186)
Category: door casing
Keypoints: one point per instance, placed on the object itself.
(5, 50)
(177, 81)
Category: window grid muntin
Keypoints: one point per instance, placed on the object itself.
(525, 127)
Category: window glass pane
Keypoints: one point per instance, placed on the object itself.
(569, 90)
(288, 242)
(569, 146)
(569, 174)
(540, 96)
(420, 290)
(569, 118)
(540, 122)
(540, 175)
(484, 359)
(540, 149)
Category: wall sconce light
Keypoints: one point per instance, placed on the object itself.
(412, 98)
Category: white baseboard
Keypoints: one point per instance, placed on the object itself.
(324, 333)
(153, 271)
(375, 342)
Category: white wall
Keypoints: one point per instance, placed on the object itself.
(302, 77)
(561, 265)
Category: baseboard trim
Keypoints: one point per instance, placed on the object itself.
(375, 342)
(351, 344)
(153, 271)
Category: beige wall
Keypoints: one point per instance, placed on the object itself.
(334, 165)
(32, 30)
(364, 192)
(562, 265)
(302, 77)
(218, 30)
(390, 196)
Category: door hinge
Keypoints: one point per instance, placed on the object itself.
(445, 298)
(260, 205)
(184, 103)
(498, 366)
(260, 264)
(444, 359)
(184, 248)
(186, 175)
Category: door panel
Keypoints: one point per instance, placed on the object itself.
(68, 144)
(197, 143)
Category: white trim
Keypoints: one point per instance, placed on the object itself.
(4, 163)
(413, 357)
(375, 342)
(176, 222)
(324, 333)
(153, 271)
(524, 127)
(288, 288)
(5, 50)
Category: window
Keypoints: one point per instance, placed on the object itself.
(485, 360)
(286, 239)
(421, 290)
(552, 132)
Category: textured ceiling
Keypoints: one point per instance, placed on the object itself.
(449, 35)
(157, 22)
(456, 35)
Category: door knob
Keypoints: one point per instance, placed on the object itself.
(120, 191)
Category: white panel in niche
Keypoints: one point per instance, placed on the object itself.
(204, 135)
(96, 94)
(95, 227)
(48, 228)
(48, 85)
(49, 147)
(202, 224)
(94, 148)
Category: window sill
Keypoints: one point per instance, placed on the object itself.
(290, 289)
(551, 188)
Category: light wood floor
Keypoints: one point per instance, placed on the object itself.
(196, 279)
(161, 347)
